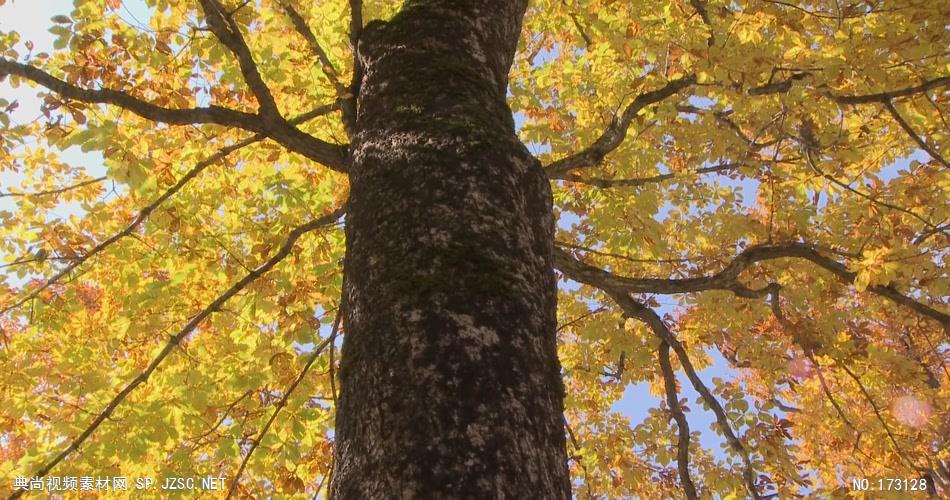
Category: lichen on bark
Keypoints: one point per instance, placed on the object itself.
(450, 383)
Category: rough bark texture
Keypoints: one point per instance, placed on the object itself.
(450, 383)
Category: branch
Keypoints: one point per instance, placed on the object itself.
(637, 310)
(356, 22)
(810, 353)
(610, 183)
(224, 416)
(830, 395)
(877, 413)
(889, 106)
(682, 425)
(300, 24)
(576, 457)
(53, 191)
(224, 28)
(627, 257)
(148, 209)
(779, 87)
(930, 232)
(211, 114)
(343, 93)
(882, 97)
(577, 25)
(43, 257)
(784, 86)
(356, 29)
(847, 187)
(283, 401)
(281, 131)
(700, 7)
(722, 117)
(727, 279)
(579, 319)
(615, 133)
(823, 15)
(616, 289)
(792, 328)
(176, 339)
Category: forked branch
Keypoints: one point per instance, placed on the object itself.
(635, 309)
(615, 133)
(281, 131)
(225, 29)
(653, 320)
(727, 279)
(682, 425)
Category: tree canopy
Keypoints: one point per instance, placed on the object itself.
(766, 180)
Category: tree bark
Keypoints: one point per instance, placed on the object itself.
(450, 382)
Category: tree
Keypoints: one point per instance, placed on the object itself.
(759, 181)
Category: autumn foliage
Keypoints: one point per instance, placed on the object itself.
(763, 182)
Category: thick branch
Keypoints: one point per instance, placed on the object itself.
(682, 425)
(176, 339)
(211, 114)
(281, 131)
(637, 310)
(727, 279)
(356, 29)
(356, 22)
(642, 181)
(223, 27)
(883, 97)
(700, 7)
(615, 133)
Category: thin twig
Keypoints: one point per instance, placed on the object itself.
(283, 402)
(889, 106)
(53, 191)
(148, 209)
(186, 330)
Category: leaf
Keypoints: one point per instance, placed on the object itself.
(781, 148)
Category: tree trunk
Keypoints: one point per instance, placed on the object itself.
(450, 382)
